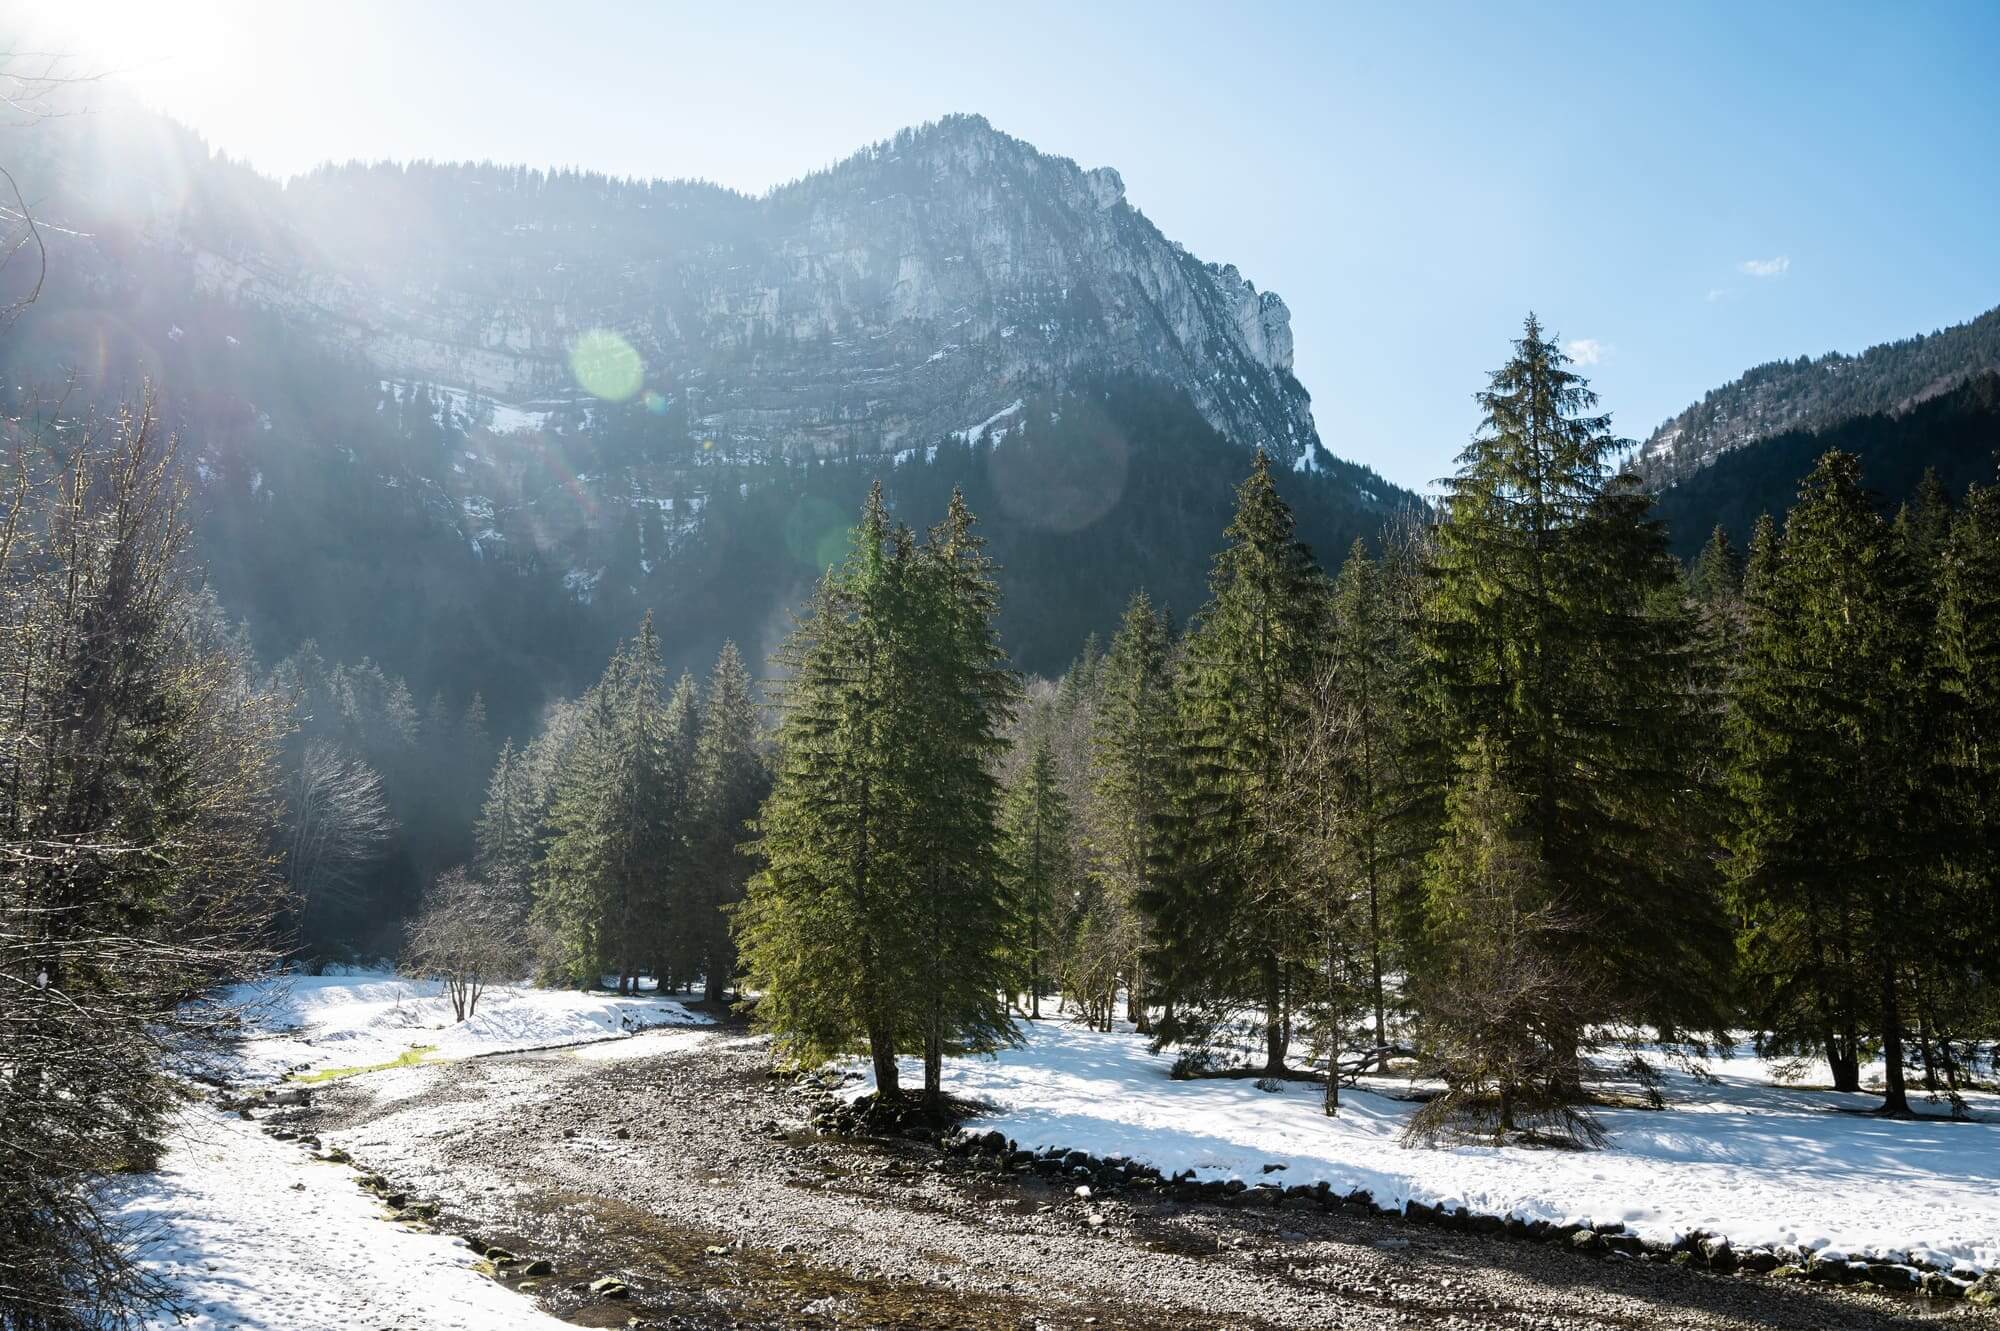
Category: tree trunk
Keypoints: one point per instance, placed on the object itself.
(1843, 1060)
(1275, 1032)
(882, 1050)
(934, 1073)
(1895, 1096)
(1135, 1000)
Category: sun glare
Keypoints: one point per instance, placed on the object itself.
(156, 49)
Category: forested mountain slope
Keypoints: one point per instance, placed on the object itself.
(1956, 433)
(1810, 394)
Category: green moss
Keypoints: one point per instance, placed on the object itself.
(408, 1058)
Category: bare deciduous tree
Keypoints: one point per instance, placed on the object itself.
(466, 937)
(336, 824)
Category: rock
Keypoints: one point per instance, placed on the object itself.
(1587, 1240)
(1759, 1260)
(1418, 1211)
(1888, 1275)
(1269, 1085)
(994, 1143)
(1831, 1270)
(1938, 1285)
(610, 1287)
(1274, 1168)
(1788, 1273)
(622, 1133)
(499, 1256)
(1718, 1255)
(541, 1266)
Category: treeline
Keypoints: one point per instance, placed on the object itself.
(612, 843)
(1514, 794)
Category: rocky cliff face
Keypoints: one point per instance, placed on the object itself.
(916, 289)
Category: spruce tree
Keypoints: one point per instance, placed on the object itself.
(1825, 755)
(1249, 659)
(1132, 752)
(730, 782)
(1366, 668)
(879, 915)
(506, 831)
(1553, 625)
(1037, 825)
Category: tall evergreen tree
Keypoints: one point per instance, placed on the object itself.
(508, 821)
(1553, 625)
(1241, 691)
(730, 782)
(1037, 825)
(1824, 765)
(1132, 755)
(879, 914)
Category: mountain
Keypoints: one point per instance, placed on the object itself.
(473, 420)
(1955, 433)
(1806, 394)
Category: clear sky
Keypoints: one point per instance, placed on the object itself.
(1682, 190)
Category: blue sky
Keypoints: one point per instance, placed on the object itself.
(1684, 190)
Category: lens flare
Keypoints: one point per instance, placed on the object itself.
(655, 402)
(817, 533)
(606, 365)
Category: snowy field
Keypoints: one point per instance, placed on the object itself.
(1746, 1157)
(318, 1023)
(259, 1236)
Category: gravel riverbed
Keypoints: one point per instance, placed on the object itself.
(678, 1166)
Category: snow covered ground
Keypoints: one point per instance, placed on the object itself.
(1746, 1157)
(255, 1233)
(316, 1023)
(258, 1235)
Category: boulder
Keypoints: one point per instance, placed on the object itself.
(541, 1266)
(610, 1287)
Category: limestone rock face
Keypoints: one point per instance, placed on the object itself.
(915, 289)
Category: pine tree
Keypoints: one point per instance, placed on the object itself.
(1131, 756)
(1553, 625)
(1366, 671)
(1824, 756)
(1241, 691)
(966, 694)
(602, 891)
(676, 930)
(879, 914)
(730, 782)
(1496, 1009)
(1037, 824)
(507, 827)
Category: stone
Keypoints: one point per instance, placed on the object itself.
(610, 1287)
(1888, 1275)
(541, 1266)
(1587, 1240)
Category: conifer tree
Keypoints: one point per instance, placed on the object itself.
(602, 888)
(1240, 692)
(965, 694)
(1037, 825)
(1131, 756)
(1553, 625)
(506, 831)
(879, 915)
(1824, 755)
(730, 782)
(1366, 685)
(675, 926)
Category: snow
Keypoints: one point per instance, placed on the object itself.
(257, 1234)
(308, 1023)
(972, 432)
(1747, 1157)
